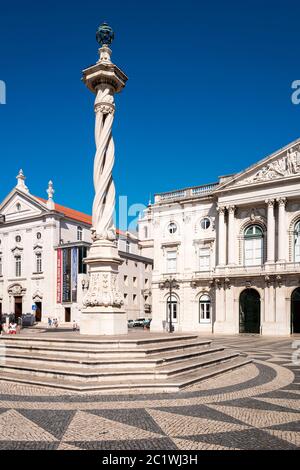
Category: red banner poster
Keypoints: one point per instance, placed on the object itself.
(59, 269)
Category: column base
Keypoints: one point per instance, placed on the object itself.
(226, 328)
(157, 326)
(103, 321)
(275, 329)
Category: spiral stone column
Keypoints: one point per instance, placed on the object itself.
(103, 312)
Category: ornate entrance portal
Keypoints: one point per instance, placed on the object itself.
(295, 311)
(250, 311)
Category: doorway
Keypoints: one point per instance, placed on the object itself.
(172, 308)
(295, 311)
(250, 311)
(67, 314)
(38, 312)
(18, 308)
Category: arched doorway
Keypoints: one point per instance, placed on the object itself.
(295, 311)
(172, 309)
(250, 311)
(204, 309)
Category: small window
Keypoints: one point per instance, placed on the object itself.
(38, 262)
(205, 223)
(18, 239)
(79, 234)
(171, 261)
(145, 232)
(134, 297)
(1, 266)
(134, 281)
(127, 247)
(204, 259)
(39, 235)
(18, 206)
(172, 228)
(126, 280)
(18, 266)
(204, 309)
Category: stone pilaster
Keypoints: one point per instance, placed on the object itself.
(221, 237)
(231, 235)
(270, 231)
(282, 231)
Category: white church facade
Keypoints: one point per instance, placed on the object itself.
(233, 248)
(42, 248)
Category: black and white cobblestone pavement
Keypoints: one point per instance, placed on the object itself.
(256, 407)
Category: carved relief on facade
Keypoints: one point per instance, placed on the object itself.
(37, 296)
(16, 290)
(288, 165)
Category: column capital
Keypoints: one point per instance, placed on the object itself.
(282, 201)
(221, 209)
(231, 209)
(270, 202)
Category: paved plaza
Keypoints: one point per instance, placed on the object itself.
(256, 407)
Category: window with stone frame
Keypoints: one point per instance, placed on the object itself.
(297, 243)
(18, 265)
(253, 248)
(204, 309)
(38, 263)
(79, 234)
(204, 259)
(171, 261)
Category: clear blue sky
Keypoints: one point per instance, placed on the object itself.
(208, 92)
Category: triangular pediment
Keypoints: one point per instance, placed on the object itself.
(18, 206)
(285, 163)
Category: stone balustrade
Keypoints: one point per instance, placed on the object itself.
(186, 193)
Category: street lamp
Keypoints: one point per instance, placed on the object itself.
(170, 284)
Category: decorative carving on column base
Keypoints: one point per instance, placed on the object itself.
(103, 291)
(103, 261)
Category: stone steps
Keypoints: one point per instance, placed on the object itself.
(97, 353)
(150, 361)
(92, 374)
(155, 386)
(82, 343)
(164, 363)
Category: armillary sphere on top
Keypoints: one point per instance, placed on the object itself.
(105, 35)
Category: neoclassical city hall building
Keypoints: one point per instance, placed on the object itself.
(232, 248)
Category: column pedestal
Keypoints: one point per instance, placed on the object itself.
(103, 312)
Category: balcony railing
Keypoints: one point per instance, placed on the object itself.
(264, 269)
(186, 193)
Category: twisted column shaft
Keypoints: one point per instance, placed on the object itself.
(105, 194)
